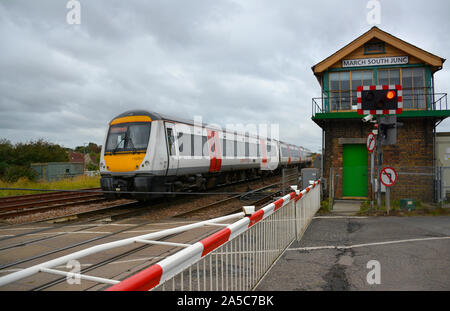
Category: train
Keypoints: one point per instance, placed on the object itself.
(147, 154)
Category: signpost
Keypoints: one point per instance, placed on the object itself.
(388, 177)
(371, 142)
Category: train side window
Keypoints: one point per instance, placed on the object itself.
(224, 147)
(171, 141)
(235, 147)
(180, 142)
(247, 149)
(204, 145)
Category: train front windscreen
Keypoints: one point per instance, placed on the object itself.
(128, 137)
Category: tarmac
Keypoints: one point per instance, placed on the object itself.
(345, 252)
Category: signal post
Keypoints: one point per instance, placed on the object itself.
(384, 102)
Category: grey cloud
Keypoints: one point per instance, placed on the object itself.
(227, 61)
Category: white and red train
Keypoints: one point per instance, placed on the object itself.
(146, 152)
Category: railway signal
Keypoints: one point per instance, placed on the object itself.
(379, 99)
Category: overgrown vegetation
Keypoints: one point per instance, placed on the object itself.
(420, 208)
(15, 159)
(78, 182)
(324, 207)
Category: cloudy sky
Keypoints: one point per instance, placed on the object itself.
(241, 61)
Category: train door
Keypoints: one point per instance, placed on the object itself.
(289, 152)
(172, 149)
(263, 154)
(215, 152)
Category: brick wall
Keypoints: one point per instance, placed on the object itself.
(412, 156)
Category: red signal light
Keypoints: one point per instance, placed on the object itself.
(390, 95)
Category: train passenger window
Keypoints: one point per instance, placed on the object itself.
(247, 150)
(224, 147)
(205, 146)
(197, 146)
(235, 147)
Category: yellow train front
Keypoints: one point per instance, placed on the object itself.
(145, 154)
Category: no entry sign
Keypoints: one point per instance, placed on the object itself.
(388, 176)
(371, 142)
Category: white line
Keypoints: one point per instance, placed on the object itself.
(331, 217)
(26, 228)
(363, 245)
(70, 232)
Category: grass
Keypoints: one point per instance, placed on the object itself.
(78, 182)
(420, 209)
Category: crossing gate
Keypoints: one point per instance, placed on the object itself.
(236, 257)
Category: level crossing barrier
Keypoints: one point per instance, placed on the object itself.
(236, 257)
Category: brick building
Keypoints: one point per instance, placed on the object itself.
(379, 58)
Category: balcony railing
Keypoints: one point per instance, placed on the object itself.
(413, 99)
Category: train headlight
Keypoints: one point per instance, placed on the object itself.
(147, 163)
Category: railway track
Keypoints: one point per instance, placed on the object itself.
(47, 241)
(37, 203)
(234, 203)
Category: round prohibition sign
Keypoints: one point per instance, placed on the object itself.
(388, 176)
(371, 142)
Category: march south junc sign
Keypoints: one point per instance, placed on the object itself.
(376, 61)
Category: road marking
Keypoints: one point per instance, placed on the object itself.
(331, 217)
(70, 232)
(366, 244)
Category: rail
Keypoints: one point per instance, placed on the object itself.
(236, 257)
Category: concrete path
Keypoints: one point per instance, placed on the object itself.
(346, 207)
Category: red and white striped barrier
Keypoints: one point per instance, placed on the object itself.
(171, 266)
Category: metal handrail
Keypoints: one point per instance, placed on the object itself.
(421, 99)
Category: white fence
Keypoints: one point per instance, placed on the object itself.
(236, 257)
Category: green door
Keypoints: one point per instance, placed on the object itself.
(354, 171)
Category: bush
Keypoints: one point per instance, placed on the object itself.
(14, 173)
